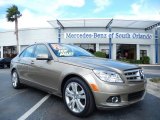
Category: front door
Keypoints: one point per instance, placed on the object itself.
(43, 72)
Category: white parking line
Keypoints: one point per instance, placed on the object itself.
(34, 108)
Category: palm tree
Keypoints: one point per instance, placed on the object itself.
(12, 16)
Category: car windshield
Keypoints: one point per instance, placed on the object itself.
(64, 50)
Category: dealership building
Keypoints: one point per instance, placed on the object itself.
(119, 39)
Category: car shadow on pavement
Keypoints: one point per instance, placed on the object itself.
(54, 109)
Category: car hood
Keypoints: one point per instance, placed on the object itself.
(98, 63)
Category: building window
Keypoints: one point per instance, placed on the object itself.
(143, 53)
(9, 51)
(126, 51)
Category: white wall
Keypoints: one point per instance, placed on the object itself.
(103, 46)
(7, 38)
(29, 36)
(1, 52)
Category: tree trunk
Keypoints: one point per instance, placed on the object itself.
(16, 32)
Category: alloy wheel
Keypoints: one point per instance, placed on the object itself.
(14, 79)
(75, 97)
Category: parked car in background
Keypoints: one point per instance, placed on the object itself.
(85, 82)
(5, 62)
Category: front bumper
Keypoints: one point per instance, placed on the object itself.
(127, 94)
(103, 104)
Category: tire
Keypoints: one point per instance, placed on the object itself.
(78, 97)
(3, 66)
(15, 80)
(8, 66)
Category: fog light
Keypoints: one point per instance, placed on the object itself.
(114, 99)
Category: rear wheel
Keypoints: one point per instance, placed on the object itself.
(15, 80)
(78, 97)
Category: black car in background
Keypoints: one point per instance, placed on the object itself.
(5, 62)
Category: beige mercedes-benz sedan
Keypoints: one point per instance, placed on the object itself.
(85, 82)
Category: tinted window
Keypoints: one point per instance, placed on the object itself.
(41, 49)
(22, 54)
(28, 52)
(8, 59)
(62, 50)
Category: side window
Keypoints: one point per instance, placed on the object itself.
(22, 54)
(41, 49)
(143, 53)
(28, 52)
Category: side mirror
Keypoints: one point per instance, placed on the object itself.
(43, 57)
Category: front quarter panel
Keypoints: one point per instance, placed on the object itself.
(73, 70)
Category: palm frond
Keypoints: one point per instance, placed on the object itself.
(13, 13)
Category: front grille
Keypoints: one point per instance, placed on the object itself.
(134, 75)
(135, 96)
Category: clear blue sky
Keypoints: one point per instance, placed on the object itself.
(35, 13)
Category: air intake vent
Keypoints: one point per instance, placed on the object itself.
(134, 75)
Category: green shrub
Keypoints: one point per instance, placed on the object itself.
(100, 54)
(124, 60)
(156, 80)
(145, 60)
(136, 61)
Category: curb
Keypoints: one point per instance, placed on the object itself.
(153, 88)
(156, 85)
(149, 66)
(155, 65)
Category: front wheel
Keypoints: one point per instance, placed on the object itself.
(78, 97)
(15, 80)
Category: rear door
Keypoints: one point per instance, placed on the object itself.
(24, 62)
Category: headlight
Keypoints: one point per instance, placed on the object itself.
(108, 76)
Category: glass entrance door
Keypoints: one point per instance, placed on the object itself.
(126, 51)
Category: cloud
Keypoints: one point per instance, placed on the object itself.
(142, 16)
(31, 20)
(43, 5)
(135, 8)
(73, 3)
(28, 20)
(36, 13)
(2, 2)
(141, 10)
(101, 5)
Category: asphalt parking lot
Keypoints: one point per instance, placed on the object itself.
(15, 104)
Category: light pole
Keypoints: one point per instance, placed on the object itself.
(156, 43)
(110, 39)
(59, 30)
